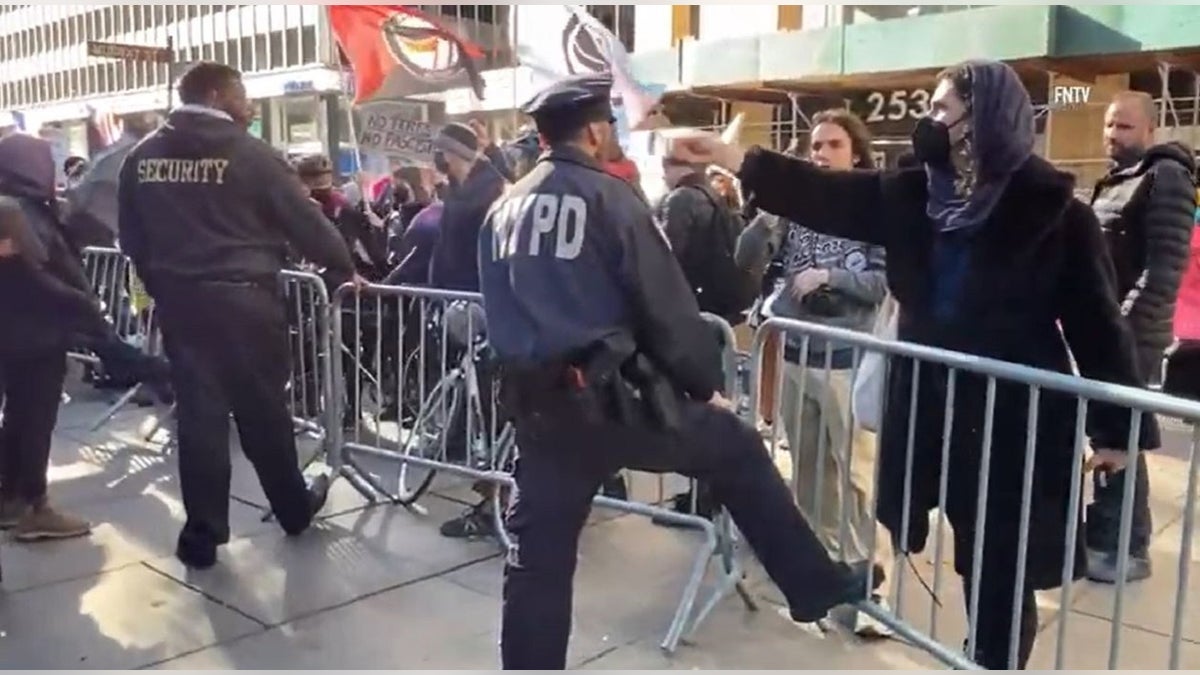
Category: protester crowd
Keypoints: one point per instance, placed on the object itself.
(977, 241)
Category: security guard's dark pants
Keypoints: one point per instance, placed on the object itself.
(563, 460)
(228, 347)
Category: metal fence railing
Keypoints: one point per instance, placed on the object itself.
(987, 459)
(130, 310)
(975, 470)
(422, 411)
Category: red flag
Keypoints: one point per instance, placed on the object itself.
(397, 51)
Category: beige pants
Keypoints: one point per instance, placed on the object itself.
(833, 490)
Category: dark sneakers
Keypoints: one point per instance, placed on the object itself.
(478, 522)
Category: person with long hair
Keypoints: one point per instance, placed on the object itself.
(836, 282)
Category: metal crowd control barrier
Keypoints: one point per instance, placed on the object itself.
(421, 356)
(128, 308)
(1029, 427)
(306, 299)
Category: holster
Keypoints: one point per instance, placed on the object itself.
(599, 386)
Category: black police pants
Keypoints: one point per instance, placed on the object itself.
(563, 460)
(32, 392)
(228, 348)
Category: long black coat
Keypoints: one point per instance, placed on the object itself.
(1038, 261)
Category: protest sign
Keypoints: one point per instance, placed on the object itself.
(391, 131)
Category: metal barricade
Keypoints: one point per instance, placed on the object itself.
(128, 308)
(997, 451)
(417, 395)
(306, 300)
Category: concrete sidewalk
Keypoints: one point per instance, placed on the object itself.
(377, 587)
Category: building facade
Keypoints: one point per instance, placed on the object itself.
(775, 64)
(287, 53)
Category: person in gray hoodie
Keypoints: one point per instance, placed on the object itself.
(91, 214)
(835, 282)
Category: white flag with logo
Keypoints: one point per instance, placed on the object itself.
(558, 41)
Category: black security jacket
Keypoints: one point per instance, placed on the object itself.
(202, 200)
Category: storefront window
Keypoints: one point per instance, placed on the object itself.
(301, 120)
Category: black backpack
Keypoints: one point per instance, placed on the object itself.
(721, 287)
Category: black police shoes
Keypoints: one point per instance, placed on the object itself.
(854, 590)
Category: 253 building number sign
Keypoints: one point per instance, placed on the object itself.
(897, 105)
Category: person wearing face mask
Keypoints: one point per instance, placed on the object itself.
(207, 214)
(607, 364)
(475, 183)
(988, 254)
(364, 235)
(835, 282)
(362, 230)
(1146, 205)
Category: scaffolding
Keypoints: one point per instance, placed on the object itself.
(1178, 120)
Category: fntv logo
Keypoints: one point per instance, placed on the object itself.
(1069, 97)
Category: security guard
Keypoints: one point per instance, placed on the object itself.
(206, 213)
(609, 364)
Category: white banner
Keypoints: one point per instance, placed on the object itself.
(557, 41)
(390, 130)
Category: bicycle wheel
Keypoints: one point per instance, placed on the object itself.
(427, 438)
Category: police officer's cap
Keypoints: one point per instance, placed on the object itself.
(572, 103)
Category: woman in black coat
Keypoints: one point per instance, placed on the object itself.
(988, 251)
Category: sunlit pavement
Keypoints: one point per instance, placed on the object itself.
(375, 586)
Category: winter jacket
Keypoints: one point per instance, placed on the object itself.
(1187, 306)
(416, 248)
(46, 298)
(455, 264)
(1148, 211)
(1039, 291)
(201, 201)
(91, 214)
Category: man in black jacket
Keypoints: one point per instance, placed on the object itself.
(1146, 205)
(206, 214)
(477, 180)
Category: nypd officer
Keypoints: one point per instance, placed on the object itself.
(206, 215)
(609, 364)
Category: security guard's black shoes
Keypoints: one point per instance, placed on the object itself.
(318, 494)
(853, 590)
(196, 551)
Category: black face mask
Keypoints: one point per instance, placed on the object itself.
(931, 141)
(440, 163)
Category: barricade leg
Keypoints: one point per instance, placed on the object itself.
(114, 409)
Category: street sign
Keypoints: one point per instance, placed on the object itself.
(116, 50)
